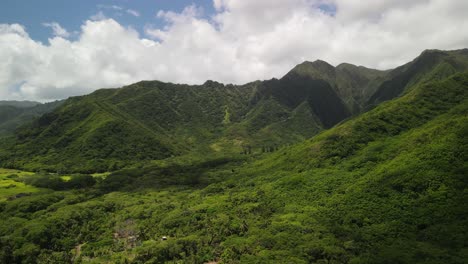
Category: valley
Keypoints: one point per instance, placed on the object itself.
(324, 165)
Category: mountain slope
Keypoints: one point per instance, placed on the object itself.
(13, 114)
(361, 88)
(430, 65)
(292, 90)
(151, 120)
(354, 84)
(388, 186)
(19, 104)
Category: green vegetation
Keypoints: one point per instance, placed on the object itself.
(111, 129)
(386, 186)
(19, 104)
(14, 114)
(353, 84)
(9, 187)
(114, 128)
(431, 65)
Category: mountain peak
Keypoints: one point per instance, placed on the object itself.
(346, 65)
(212, 83)
(431, 56)
(316, 63)
(318, 69)
(432, 51)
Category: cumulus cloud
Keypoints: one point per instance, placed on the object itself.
(58, 30)
(243, 41)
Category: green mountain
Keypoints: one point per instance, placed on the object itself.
(19, 104)
(14, 114)
(386, 186)
(361, 88)
(354, 84)
(430, 65)
(150, 120)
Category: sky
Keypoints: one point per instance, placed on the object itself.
(53, 49)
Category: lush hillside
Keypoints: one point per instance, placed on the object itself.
(354, 84)
(14, 114)
(430, 65)
(19, 104)
(151, 120)
(8, 112)
(388, 186)
(361, 88)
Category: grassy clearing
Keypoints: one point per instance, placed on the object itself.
(101, 175)
(9, 187)
(65, 177)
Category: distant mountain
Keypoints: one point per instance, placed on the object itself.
(19, 104)
(13, 114)
(113, 128)
(354, 84)
(429, 66)
(360, 87)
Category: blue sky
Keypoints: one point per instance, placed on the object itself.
(72, 13)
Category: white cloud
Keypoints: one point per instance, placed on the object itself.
(243, 41)
(133, 12)
(6, 29)
(58, 30)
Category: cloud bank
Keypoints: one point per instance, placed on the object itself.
(243, 41)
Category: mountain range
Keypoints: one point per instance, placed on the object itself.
(113, 128)
(327, 164)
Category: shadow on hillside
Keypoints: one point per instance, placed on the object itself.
(193, 175)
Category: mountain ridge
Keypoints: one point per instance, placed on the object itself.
(386, 185)
(179, 119)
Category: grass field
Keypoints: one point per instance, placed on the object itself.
(101, 175)
(9, 187)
